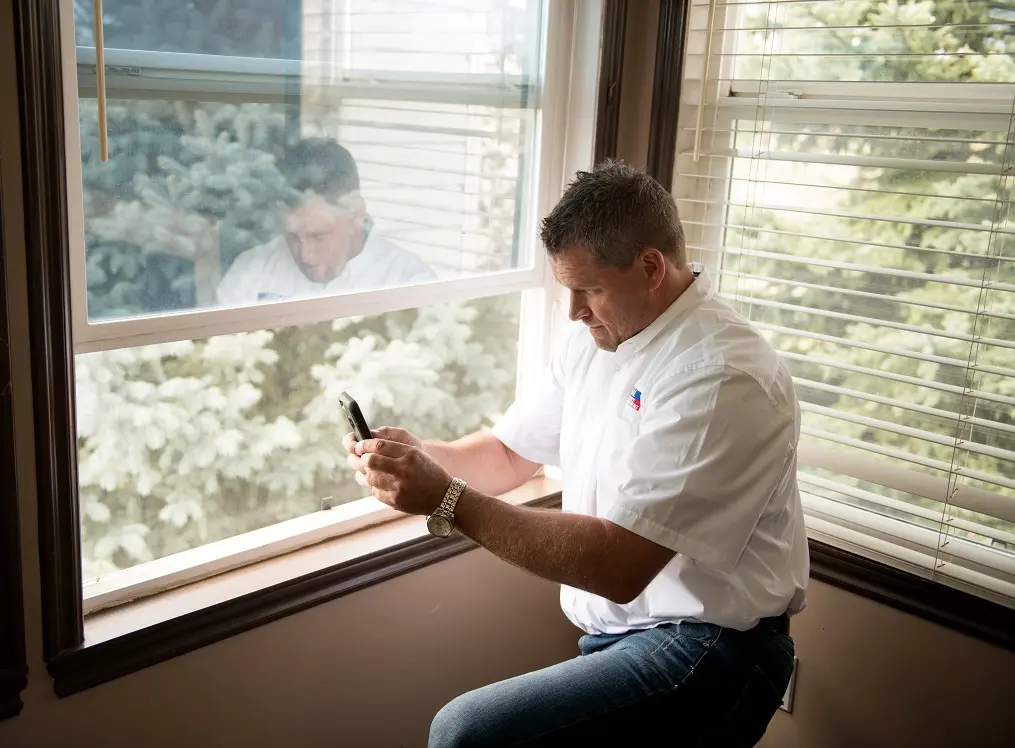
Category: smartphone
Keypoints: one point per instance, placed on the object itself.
(354, 416)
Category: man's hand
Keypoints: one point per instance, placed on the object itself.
(388, 433)
(402, 476)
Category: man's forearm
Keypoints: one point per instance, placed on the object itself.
(571, 549)
(483, 462)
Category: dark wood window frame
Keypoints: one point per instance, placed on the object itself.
(611, 69)
(73, 666)
(928, 599)
(13, 663)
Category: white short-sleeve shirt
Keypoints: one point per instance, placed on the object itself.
(687, 436)
(269, 273)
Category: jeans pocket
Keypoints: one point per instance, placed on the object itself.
(706, 633)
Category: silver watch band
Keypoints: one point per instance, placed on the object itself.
(451, 496)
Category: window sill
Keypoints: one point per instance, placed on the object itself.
(137, 634)
(196, 564)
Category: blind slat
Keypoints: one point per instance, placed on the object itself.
(837, 290)
(754, 181)
(903, 378)
(898, 454)
(859, 319)
(954, 225)
(951, 280)
(860, 28)
(920, 434)
(969, 555)
(906, 507)
(731, 131)
(899, 352)
(877, 162)
(869, 543)
(891, 402)
(863, 467)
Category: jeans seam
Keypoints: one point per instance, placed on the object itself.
(628, 703)
(708, 642)
(747, 685)
(758, 670)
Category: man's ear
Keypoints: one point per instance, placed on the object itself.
(654, 265)
(357, 209)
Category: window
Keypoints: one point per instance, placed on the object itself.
(846, 169)
(300, 198)
(276, 166)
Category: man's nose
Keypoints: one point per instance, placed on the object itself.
(577, 309)
(308, 249)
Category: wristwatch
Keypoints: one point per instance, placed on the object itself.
(442, 521)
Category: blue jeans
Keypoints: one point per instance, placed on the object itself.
(687, 684)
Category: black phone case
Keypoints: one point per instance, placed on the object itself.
(354, 416)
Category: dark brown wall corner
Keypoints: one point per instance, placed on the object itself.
(40, 102)
(13, 665)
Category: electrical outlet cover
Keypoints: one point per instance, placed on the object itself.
(787, 699)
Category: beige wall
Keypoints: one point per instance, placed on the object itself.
(367, 670)
(870, 675)
(371, 668)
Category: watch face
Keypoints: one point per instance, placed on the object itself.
(438, 525)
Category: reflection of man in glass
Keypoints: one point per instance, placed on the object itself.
(329, 244)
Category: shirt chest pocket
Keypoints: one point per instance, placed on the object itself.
(621, 428)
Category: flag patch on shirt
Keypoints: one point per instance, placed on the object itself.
(634, 399)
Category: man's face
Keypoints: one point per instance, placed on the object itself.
(613, 302)
(323, 235)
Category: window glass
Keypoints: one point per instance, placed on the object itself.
(383, 144)
(273, 151)
(182, 444)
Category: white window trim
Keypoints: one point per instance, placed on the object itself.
(199, 563)
(563, 18)
(143, 74)
(220, 557)
(195, 325)
(575, 66)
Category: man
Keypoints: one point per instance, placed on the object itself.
(329, 243)
(681, 548)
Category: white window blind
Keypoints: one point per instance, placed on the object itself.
(845, 168)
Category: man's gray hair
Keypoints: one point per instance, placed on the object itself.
(615, 211)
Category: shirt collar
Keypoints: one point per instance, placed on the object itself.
(371, 241)
(699, 291)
